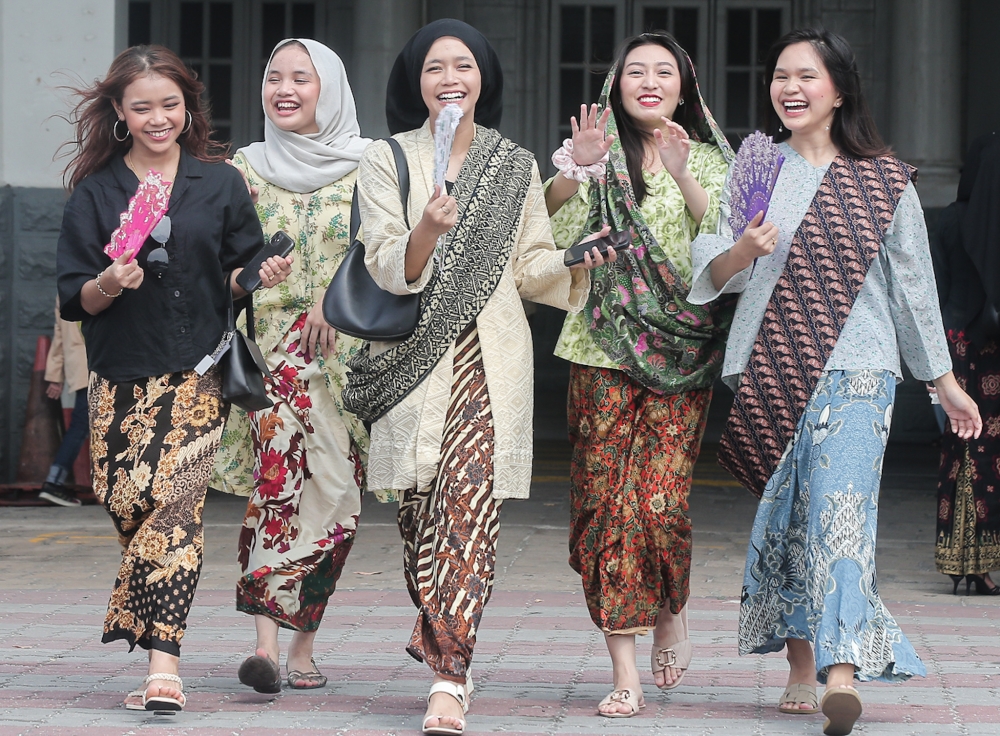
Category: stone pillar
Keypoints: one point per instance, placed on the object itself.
(925, 93)
(381, 27)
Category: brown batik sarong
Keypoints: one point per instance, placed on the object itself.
(630, 534)
(831, 253)
(152, 446)
(450, 529)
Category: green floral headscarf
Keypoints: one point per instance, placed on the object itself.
(638, 312)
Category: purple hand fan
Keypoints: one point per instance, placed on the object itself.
(752, 179)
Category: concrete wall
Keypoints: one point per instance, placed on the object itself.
(43, 45)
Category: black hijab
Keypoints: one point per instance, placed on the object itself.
(404, 105)
(966, 251)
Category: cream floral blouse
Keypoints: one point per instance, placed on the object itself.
(668, 218)
(319, 223)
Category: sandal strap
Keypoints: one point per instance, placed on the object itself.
(800, 692)
(676, 655)
(453, 689)
(166, 677)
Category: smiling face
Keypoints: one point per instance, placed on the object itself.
(802, 91)
(650, 85)
(153, 108)
(450, 76)
(291, 91)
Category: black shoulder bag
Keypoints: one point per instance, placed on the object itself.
(243, 366)
(354, 304)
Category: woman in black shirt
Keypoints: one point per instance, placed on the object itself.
(149, 318)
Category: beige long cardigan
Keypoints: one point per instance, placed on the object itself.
(406, 441)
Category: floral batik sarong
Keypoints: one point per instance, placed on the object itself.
(152, 445)
(303, 514)
(810, 570)
(968, 524)
(450, 529)
(630, 535)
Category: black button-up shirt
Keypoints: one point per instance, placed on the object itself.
(171, 322)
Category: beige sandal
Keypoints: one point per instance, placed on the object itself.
(799, 693)
(162, 703)
(136, 696)
(842, 708)
(459, 693)
(635, 702)
(676, 655)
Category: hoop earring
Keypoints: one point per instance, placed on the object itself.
(189, 122)
(114, 132)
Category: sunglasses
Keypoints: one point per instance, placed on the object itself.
(158, 260)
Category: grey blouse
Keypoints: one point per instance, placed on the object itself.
(896, 310)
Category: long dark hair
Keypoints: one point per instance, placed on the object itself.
(94, 116)
(632, 137)
(853, 129)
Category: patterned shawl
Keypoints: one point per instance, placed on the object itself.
(640, 316)
(491, 189)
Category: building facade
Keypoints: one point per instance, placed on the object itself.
(928, 69)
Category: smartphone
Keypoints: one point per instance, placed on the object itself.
(280, 245)
(618, 241)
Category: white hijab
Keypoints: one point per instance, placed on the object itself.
(304, 163)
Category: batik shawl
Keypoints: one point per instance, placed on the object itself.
(829, 258)
(490, 191)
(640, 317)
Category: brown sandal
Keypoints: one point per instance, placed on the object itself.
(796, 694)
(313, 679)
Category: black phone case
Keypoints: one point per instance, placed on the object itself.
(618, 241)
(279, 245)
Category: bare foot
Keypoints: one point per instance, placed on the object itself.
(164, 689)
(443, 710)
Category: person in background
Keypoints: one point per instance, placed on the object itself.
(149, 318)
(301, 461)
(66, 364)
(642, 359)
(968, 278)
(825, 312)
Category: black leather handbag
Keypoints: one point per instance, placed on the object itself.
(354, 304)
(243, 366)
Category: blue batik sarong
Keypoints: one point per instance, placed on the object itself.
(810, 569)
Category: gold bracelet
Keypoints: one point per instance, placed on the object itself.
(97, 281)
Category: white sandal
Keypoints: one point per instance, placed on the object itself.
(139, 695)
(459, 693)
(161, 703)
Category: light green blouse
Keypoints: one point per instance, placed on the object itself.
(668, 219)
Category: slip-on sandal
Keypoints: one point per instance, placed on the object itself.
(161, 703)
(842, 708)
(314, 679)
(799, 693)
(459, 693)
(631, 699)
(135, 695)
(261, 674)
(676, 655)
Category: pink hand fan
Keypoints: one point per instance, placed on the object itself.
(145, 209)
(752, 179)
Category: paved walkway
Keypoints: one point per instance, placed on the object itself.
(540, 664)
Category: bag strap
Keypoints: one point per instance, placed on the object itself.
(402, 173)
(231, 311)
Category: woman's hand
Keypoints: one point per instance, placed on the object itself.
(53, 390)
(759, 239)
(963, 414)
(123, 273)
(674, 147)
(589, 141)
(594, 257)
(440, 215)
(275, 270)
(317, 332)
